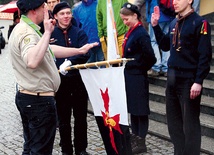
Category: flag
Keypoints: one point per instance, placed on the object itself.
(106, 91)
(107, 79)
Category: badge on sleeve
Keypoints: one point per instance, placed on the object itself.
(26, 40)
(204, 27)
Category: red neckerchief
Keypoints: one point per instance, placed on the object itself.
(128, 34)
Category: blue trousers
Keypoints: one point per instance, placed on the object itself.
(161, 56)
(196, 6)
(96, 54)
(38, 114)
(183, 116)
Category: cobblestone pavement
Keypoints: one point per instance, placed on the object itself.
(11, 140)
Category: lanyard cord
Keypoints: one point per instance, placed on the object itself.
(177, 34)
(34, 26)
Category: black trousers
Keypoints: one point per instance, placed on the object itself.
(38, 114)
(140, 125)
(183, 116)
(72, 98)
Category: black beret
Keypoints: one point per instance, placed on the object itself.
(60, 6)
(26, 5)
(132, 8)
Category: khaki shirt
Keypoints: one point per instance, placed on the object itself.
(44, 78)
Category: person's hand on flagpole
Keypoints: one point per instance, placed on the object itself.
(63, 66)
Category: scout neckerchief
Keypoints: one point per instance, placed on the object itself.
(128, 34)
(34, 26)
(176, 37)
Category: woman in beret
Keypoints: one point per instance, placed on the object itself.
(137, 45)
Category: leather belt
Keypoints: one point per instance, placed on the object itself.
(37, 93)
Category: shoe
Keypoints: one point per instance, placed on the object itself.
(83, 153)
(152, 73)
(140, 147)
(163, 74)
(133, 139)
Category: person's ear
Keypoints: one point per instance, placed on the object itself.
(135, 16)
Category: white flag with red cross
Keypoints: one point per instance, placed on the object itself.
(106, 90)
(109, 81)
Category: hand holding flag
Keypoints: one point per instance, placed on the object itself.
(63, 66)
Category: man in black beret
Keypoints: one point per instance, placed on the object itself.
(71, 98)
(37, 75)
(60, 6)
(26, 5)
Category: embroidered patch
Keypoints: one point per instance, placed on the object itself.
(204, 27)
(26, 40)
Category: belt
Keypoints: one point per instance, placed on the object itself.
(37, 93)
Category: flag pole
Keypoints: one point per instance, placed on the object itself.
(111, 11)
(99, 63)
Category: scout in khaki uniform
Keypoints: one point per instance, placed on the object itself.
(36, 75)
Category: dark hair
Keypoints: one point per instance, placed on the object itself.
(127, 12)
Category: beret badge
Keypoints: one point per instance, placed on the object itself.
(129, 6)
